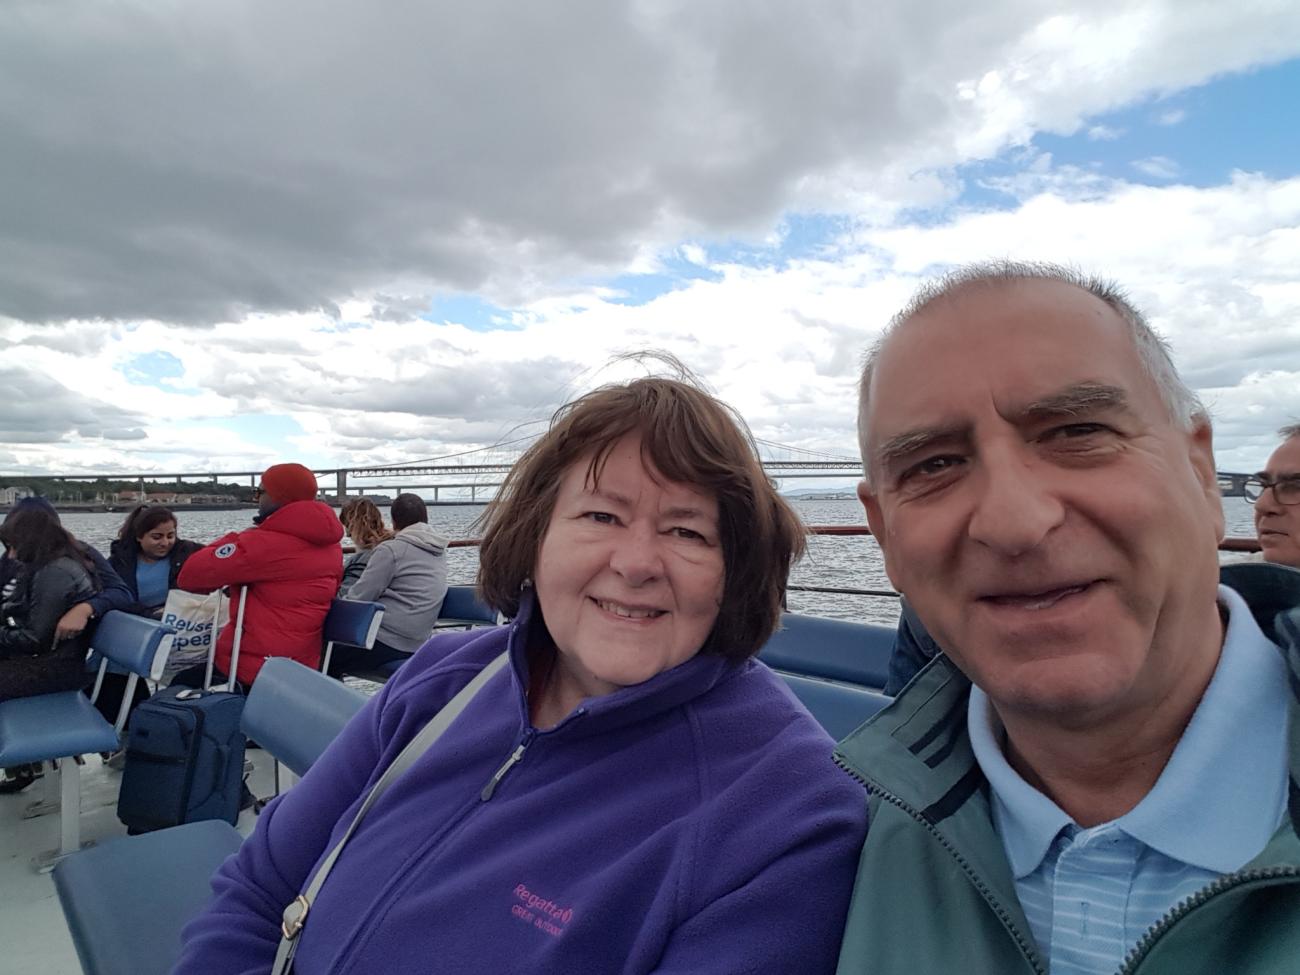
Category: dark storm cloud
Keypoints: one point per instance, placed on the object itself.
(192, 162)
(38, 409)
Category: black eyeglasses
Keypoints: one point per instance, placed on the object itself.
(258, 492)
(1286, 490)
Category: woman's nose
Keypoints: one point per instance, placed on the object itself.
(636, 556)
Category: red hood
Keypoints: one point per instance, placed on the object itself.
(312, 521)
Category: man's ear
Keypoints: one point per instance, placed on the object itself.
(876, 522)
(1200, 443)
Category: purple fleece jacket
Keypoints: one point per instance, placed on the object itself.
(693, 823)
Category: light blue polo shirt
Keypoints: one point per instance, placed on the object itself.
(1091, 894)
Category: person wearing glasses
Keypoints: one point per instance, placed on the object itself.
(289, 564)
(1276, 493)
(1099, 771)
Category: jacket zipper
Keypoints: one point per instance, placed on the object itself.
(506, 766)
(345, 963)
(1026, 948)
(1219, 886)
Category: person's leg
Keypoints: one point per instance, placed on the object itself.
(348, 659)
(111, 692)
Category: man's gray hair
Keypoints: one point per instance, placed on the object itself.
(1184, 406)
(1289, 432)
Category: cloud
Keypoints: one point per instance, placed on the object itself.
(41, 410)
(1172, 116)
(199, 162)
(1104, 133)
(1157, 167)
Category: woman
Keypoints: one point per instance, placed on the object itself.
(148, 556)
(51, 577)
(45, 575)
(364, 524)
(633, 793)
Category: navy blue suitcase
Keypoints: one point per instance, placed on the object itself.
(184, 760)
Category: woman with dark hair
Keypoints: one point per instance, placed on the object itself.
(52, 576)
(148, 556)
(364, 523)
(625, 790)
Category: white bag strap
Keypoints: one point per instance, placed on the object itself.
(239, 636)
(295, 915)
(212, 644)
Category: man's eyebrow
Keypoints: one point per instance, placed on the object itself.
(1076, 400)
(903, 444)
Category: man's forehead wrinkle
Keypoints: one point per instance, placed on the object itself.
(1077, 399)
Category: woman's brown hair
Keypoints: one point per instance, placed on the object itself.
(364, 523)
(143, 519)
(688, 437)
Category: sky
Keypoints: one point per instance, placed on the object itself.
(238, 233)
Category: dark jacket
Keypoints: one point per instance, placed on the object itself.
(30, 660)
(291, 563)
(125, 552)
(689, 824)
(353, 565)
(935, 892)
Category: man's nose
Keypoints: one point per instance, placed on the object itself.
(1266, 504)
(637, 556)
(1015, 507)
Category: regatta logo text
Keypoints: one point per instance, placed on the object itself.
(543, 914)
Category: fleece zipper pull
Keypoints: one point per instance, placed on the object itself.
(506, 766)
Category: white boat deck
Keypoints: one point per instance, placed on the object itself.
(33, 936)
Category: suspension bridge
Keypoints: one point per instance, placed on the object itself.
(474, 475)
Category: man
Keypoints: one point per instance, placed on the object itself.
(408, 574)
(1043, 488)
(1276, 493)
(289, 565)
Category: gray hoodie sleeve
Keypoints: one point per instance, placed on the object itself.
(377, 575)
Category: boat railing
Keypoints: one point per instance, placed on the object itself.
(1232, 544)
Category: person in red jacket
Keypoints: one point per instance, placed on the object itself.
(291, 564)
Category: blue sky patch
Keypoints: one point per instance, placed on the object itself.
(153, 367)
(1231, 123)
(469, 310)
(1196, 137)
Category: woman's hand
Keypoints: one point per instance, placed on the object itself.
(72, 622)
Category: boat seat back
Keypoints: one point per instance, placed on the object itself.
(462, 607)
(839, 708)
(814, 646)
(294, 712)
(352, 622)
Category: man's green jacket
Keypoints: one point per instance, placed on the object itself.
(934, 891)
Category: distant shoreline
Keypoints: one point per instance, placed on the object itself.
(72, 507)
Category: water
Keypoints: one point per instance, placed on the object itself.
(850, 561)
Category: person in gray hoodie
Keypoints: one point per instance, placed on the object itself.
(408, 574)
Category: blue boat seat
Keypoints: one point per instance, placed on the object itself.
(319, 708)
(352, 622)
(839, 708)
(98, 887)
(127, 901)
(462, 607)
(856, 653)
(58, 727)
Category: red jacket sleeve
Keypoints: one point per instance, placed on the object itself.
(231, 560)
